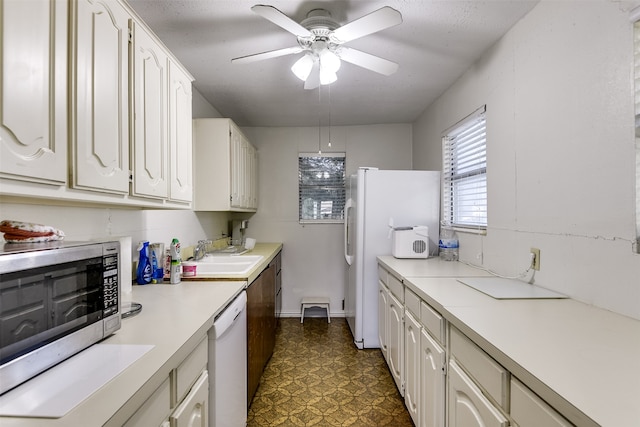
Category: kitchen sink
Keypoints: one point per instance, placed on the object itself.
(212, 265)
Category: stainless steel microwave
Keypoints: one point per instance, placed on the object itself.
(56, 299)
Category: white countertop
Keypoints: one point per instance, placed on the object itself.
(582, 360)
(431, 267)
(174, 319)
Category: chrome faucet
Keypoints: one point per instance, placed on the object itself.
(201, 249)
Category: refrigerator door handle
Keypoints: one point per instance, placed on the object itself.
(347, 209)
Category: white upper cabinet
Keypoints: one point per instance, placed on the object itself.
(33, 122)
(99, 95)
(226, 167)
(180, 134)
(94, 107)
(150, 167)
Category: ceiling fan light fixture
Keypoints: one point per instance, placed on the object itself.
(327, 76)
(329, 61)
(302, 67)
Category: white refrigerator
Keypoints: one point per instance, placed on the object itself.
(409, 198)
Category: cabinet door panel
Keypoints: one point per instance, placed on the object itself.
(180, 135)
(156, 409)
(33, 128)
(194, 409)
(237, 181)
(432, 379)
(395, 341)
(467, 406)
(100, 126)
(150, 143)
(383, 302)
(528, 410)
(255, 337)
(412, 366)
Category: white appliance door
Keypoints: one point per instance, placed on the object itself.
(410, 198)
(352, 291)
(348, 235)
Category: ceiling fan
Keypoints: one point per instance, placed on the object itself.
(322, 39)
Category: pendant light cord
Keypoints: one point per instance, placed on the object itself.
(319, 120)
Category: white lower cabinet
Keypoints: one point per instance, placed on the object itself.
(383, 302)
(155, 411)
(432, 382)
(182, 400)
(395, 339)
(194, 409)
(528, 410)
(468, 407)
(412, 366)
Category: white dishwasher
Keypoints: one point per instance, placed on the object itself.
(228, 363)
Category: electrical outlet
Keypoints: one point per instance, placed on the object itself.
(536, 258)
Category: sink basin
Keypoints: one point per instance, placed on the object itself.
(226, 264)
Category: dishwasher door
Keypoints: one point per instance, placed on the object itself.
(228, 362)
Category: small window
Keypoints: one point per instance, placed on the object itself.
(464, 173)
(321, 182)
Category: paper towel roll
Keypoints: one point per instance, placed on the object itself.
(126, 262)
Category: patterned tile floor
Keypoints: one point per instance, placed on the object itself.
(317, 377)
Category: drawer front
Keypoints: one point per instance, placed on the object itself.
(432, 321)
(528, 410)
(189, 370)
(194, 410)
(155, 410)
(382, 274)
(396, 287)
(489, 375)
(412, 303)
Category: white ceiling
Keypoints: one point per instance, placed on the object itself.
(436, 42)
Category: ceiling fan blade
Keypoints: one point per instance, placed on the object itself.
(313, 81)
(375, 21)
(281, 20)
(267, 55)
(368, 61)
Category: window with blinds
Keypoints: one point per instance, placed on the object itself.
(321, 183)
(464, 172)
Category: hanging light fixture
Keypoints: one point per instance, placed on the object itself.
(303, 66)
(320, 60)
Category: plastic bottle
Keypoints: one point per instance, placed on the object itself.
(176, 262)
(156, 254)
(448, 243)
(144, 272)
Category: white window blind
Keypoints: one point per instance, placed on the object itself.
(321, 183)
(464, 171)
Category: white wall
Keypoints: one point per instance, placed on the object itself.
(560, 139)
(202, 109)
(313, 261)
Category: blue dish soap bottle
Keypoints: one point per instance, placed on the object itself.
(144, 272)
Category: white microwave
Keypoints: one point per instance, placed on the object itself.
(56, 299)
